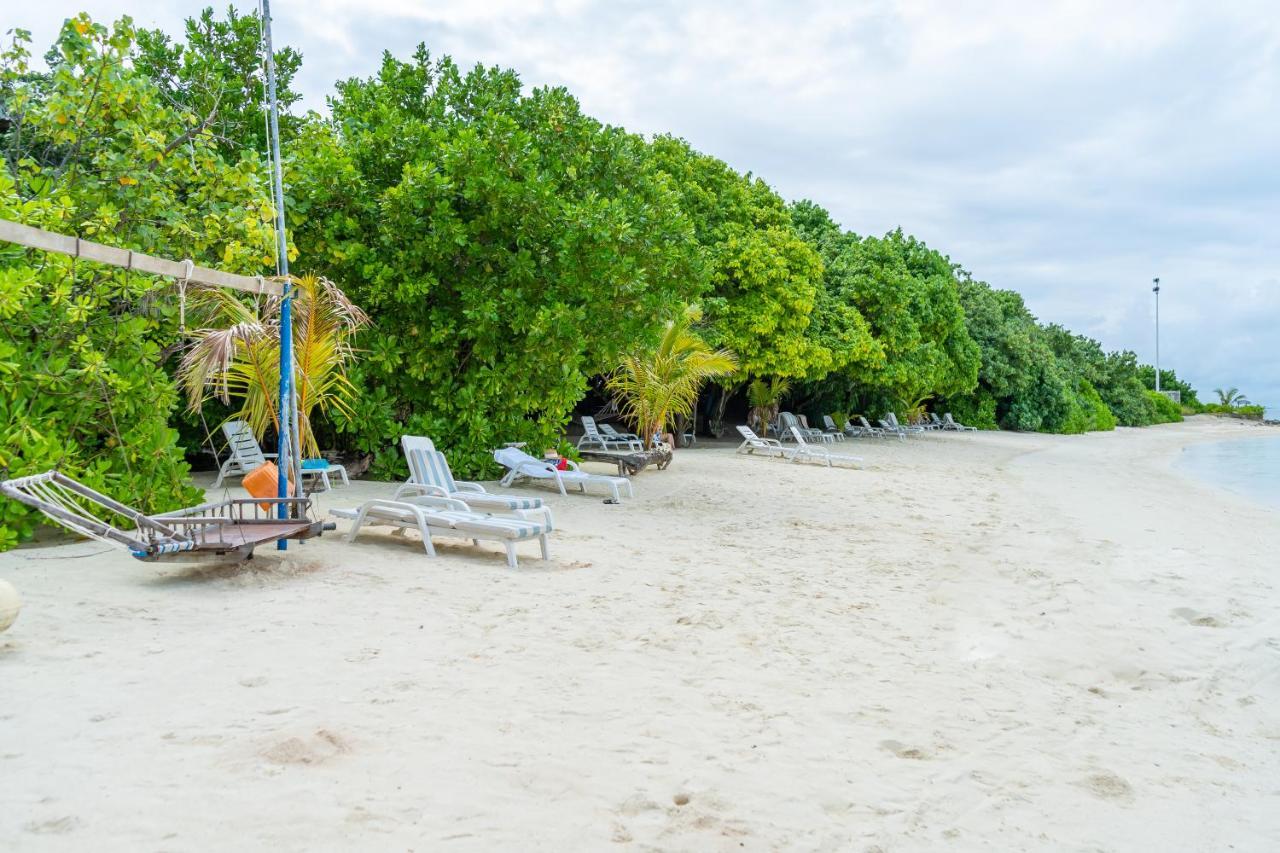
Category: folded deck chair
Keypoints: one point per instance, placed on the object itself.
(752, 443)
(521, 466)
(218, 529)
(805, 450)
(433, 516)
(592, 437)
(950, 423)
(247, 456)
(430, 475)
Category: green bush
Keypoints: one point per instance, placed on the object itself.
(1253, 413)
(1164, 410)
(82, 382)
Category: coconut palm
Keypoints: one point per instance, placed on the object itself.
(654, 387)
(1231, 397)
(765, 399)
(238, 355)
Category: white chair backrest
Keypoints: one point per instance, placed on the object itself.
(242, 444)
(589, 427)
(746, 433)
(430, 468)
(830, 422)
(411, 443)
(892, 419)
(795, 432)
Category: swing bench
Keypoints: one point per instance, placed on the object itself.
(229, 528)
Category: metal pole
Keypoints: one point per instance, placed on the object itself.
(1156, 290)
(285, 459)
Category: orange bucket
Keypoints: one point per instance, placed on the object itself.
(263, 482)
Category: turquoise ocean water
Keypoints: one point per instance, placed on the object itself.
(1248, 466)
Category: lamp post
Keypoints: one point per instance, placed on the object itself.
(1156, 291)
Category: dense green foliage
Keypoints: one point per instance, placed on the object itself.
(508, 251)
(506, 246)
(92, 148)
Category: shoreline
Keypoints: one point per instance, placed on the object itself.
(977, 640)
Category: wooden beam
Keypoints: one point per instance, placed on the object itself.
(49, 241)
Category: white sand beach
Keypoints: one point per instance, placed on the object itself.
(976, 642)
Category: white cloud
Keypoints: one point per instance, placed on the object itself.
(1068, 149)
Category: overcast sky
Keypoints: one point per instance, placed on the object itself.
(1067, 150)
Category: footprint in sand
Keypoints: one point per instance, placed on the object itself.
(1200, 620)
(1109, 786)
(903, 751)
(317, 749)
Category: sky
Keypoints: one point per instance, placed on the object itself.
(1071, 151)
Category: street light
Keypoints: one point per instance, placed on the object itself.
(1156, 291)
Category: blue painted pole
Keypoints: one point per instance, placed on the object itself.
(284, 418)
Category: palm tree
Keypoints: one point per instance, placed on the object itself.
(765, 398)
(654, 387)
(238, 355)
(1231, 397)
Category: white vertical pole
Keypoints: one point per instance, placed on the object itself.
(1156, 290)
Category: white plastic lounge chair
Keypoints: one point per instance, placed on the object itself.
(521, 466)
(950, 423)
(612, 435)
(591, 436)
(752, 443)
(868, 429)
(433, 516)
(935, 422)
(805, 450)
(831, 428)
(247, 456)
(787, 420)
(430, 475)
(905, 429)
(230, 528)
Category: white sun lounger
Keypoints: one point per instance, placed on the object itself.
(433, 516)
(521, 466)
(752, 443)
(591, 436)
(247, 456)
(950, 423)
(430, 475)
(813, 451)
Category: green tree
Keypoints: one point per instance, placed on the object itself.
(506, 246)
(217, 76)
(93, 149)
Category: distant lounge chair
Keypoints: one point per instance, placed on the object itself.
(521, 465)
(868, 429)
(935, 422)
(832, 429)
(950, 423)
(611, 434)
(813, 451)
(436, 516)
(788, 420)
(752, 443)
(247, 456)
(591, 436)
(430, 475)
(891, 420)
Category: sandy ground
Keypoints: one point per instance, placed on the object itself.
(977, 642)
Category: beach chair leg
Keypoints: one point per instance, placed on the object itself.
(223, 471)
(342, 472)
(546, 551)
(511, 555)
(426, 537)
(357, 524)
